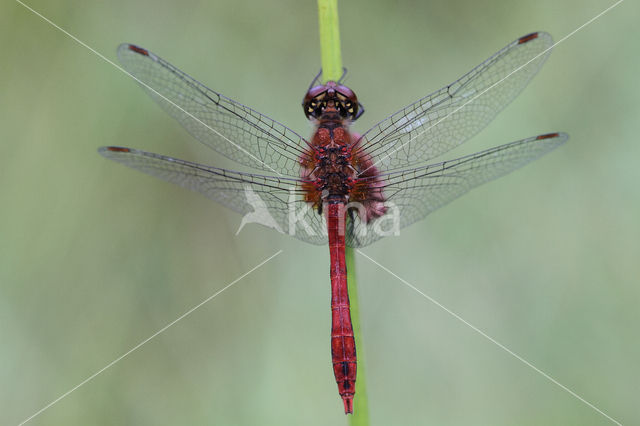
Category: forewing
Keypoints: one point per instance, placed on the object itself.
(413, 194)
(232, 129)
(443, 120)
(266, 200)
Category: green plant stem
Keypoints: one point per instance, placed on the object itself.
(360, 415)
(332, 71)
(329, 40)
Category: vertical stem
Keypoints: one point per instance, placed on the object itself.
(360, 415)
(329, 40)
(332, 70)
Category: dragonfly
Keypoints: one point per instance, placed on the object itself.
(339, 187)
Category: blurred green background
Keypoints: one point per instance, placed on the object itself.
(94, 257)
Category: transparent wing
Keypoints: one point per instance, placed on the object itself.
(443, 120)
(266, 200)
(232, 129)
(413, 194)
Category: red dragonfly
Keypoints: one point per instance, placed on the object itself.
(341, 186)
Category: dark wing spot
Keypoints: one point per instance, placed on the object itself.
(118, 149)
(139, 50)
(527, 38)
(547, 136)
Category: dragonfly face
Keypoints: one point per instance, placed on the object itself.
(331, 101)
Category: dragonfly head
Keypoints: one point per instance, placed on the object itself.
(331, 99)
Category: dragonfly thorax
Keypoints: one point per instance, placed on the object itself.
(333, 174)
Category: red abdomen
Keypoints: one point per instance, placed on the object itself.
(343, 346)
